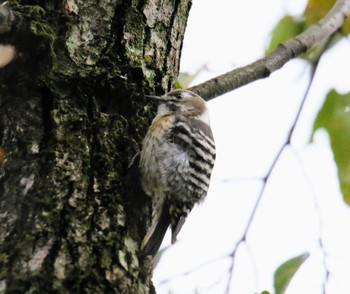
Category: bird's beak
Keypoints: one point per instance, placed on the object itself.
(159, 98)
(153, 97)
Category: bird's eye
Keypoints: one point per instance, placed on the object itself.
(179, 96)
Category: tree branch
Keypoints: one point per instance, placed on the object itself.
(262, 68)
(265, 180)
(320, 223)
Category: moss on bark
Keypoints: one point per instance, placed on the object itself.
(72, 115)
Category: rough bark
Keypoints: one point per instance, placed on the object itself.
(72, 115)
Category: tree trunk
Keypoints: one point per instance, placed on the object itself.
(72, 116)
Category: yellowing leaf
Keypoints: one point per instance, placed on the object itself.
(317, 9)
(334, 116)
(2, 154)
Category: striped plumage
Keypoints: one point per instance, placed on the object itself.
(177, 158)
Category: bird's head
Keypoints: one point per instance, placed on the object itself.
(182, 102)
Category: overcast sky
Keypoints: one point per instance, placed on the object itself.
(302, 202)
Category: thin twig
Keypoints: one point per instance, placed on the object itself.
(265, 180)
(320, 222)
(252, 215)
(238, 180)
(315, 63)
(188, 272)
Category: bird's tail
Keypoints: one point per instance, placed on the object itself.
(154, 237)
(175, 228)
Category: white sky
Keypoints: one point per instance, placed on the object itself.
(249, 126)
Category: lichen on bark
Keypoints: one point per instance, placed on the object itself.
(72, 116)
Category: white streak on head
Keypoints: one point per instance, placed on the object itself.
(187, 94)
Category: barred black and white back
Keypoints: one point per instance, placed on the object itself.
(177, 159)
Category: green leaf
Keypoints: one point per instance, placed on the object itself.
(334, 116)
(288, 27)
(285, 272)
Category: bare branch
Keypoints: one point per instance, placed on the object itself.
(262, 68)
(320, 223)
(266, 179)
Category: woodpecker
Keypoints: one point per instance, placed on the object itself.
(177, 158)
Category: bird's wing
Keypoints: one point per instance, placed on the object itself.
(191, 158)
